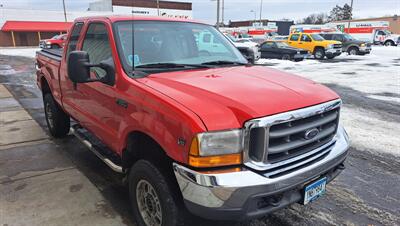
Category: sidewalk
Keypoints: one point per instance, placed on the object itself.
(38, 184)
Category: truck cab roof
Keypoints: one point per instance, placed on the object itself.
(115, 18)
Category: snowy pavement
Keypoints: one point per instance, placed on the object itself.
(368, 79)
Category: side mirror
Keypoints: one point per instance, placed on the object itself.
(79, 68)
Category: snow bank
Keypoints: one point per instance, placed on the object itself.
(25, 52)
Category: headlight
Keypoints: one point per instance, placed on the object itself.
(330, 46)
(362, 44)
(216, 149)
(298, 52)
(48, 43)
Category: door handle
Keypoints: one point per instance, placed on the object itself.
(122, 103)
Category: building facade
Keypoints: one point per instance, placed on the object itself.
(21, 27)
(283, 26)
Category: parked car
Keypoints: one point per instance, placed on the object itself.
(55, 42)
(247, 47)
(316, 44)
(281, 50)
(190, 128)
(350, 45)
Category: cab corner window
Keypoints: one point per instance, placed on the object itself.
(73, 40)
(96, 44)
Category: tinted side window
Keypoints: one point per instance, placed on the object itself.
(305, 38)
(267, 45)
(327, 36)
(96, 44)
(294, 37)
(338, 37)
(74, 37)
(207, 38)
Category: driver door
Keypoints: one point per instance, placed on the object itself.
(98, 99)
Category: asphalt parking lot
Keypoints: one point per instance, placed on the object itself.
(59, 182)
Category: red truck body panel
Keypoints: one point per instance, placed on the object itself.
(173, 105)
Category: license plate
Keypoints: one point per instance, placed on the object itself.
(314, 190)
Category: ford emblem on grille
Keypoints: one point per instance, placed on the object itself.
(311, 133)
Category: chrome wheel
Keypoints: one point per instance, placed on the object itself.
(319, 55)
(148, 203)
(353, 51)
(49, 115)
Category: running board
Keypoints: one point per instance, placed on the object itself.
(75, 130)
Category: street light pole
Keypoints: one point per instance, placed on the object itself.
(65, 12)
(261, 9)
(255, 15)
(218, 9)
(351, 17)
(158, 7)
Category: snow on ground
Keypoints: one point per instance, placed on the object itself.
(375, 76)
(25, 52)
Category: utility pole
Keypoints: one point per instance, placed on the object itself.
(223, 11)
(158, 7)
(65, 12)
(351, 17)
(218, 9)
(261, 9)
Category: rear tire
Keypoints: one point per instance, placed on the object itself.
(151, 198)
(319, 54)
(389, 43)
(58, 122)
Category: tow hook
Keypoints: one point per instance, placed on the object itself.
(341, 166)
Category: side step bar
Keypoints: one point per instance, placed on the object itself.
(115, 167)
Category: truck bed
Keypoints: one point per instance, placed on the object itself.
(54, 54)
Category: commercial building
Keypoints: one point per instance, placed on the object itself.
(394, 22)
(21, 27)
(283, 25)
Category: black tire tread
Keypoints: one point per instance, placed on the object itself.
(172, 215)
(61, 119)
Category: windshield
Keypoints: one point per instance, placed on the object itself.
(317, 37)
(281, 44)
(55, 37)
(167, 43)
(387, 32)
(348, 37)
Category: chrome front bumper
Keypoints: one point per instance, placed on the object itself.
(235, 194)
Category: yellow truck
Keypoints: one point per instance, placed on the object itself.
(316, 44)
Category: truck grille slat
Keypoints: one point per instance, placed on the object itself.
(277, 146)
(291, 129)
(281, 142)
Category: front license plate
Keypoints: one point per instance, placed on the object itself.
(314, 190)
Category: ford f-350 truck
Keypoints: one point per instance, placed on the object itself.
(202, 130)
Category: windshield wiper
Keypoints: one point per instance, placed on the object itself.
(170, 65)
(223, 62)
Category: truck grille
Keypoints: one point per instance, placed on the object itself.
(282, 142)
(337, 46)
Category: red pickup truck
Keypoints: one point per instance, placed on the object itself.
(55, 42)
(191, 126)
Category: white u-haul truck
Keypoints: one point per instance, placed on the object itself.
(376, 32)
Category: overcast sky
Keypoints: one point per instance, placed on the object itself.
(240, 9)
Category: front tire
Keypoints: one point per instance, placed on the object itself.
(319, 54)
(58, 122)
(151, 198)
(286, 57)
(353, 51)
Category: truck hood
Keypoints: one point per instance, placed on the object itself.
(328, 42)
(225, 98)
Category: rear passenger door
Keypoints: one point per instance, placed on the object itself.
(306, 43)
